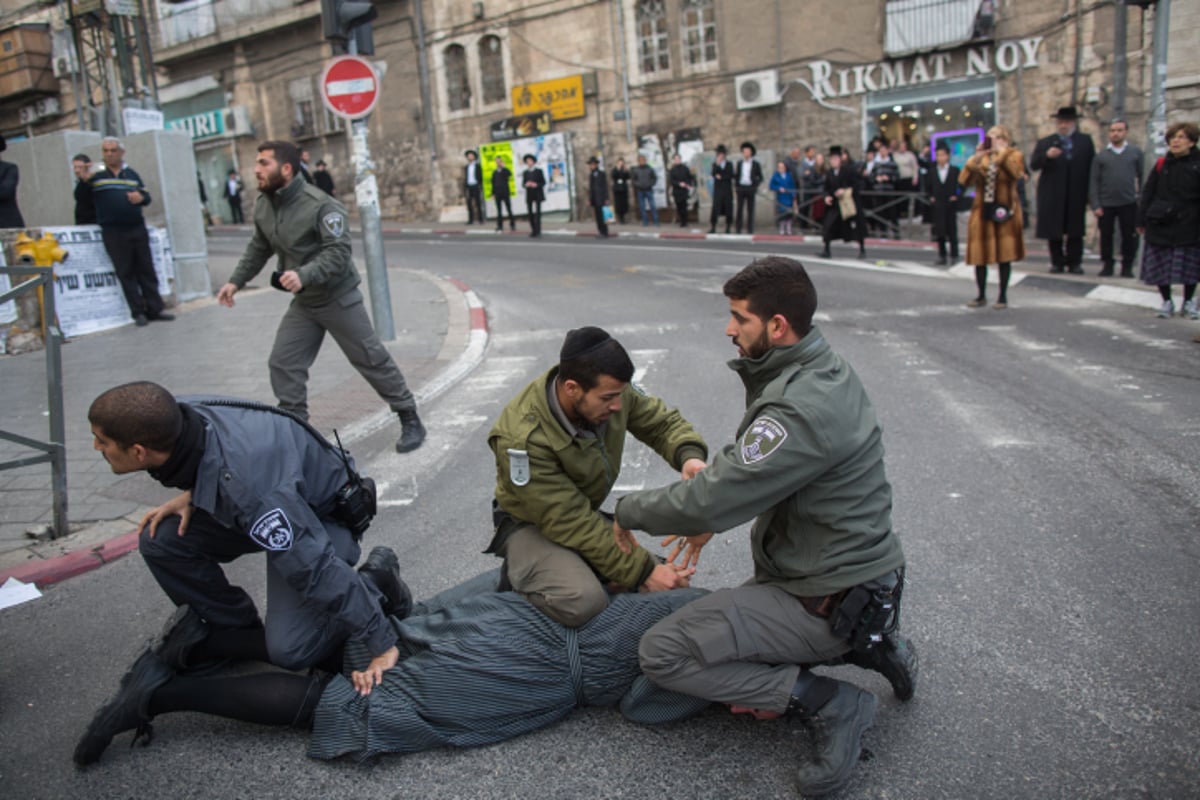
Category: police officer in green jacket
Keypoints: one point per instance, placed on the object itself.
(558, 448)
(307, 230)
(807, 466)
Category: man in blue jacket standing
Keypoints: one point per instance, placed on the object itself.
(119, 195)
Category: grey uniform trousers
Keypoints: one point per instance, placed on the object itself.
(298, 341)
(742, 646)
(188, 568)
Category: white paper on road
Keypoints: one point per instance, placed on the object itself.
(14, 592)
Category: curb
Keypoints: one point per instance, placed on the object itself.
(44, 572)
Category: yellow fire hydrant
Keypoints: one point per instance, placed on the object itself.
(43, 252)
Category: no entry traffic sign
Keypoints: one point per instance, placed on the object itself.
(350, 87)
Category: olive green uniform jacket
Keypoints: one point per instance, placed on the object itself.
(569, 477)
(807, 466)
(309, 232)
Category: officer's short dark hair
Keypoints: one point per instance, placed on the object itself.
(82, 157)
(589, 352)
(285, 153)
(138, 413)
(776, 285)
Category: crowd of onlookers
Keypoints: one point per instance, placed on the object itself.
(849, 199)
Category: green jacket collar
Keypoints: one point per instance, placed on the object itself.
(758, 372)
(288, 193)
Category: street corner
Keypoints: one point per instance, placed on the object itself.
(89, 547)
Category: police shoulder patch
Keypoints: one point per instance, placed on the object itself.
(273, 531)
(762, 438)
(518, 466)
(335, 223)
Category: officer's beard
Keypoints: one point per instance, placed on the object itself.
(273, 182)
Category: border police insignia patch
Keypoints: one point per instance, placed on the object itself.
(518, 467)
(335, 223)
(762, 438)
(272, 531)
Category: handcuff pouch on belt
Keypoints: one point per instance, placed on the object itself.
(867, 613)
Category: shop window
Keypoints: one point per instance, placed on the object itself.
(491, 70)
(458, 82)
(304, 117)
(653, 46)
(921, 120)
(699, 32)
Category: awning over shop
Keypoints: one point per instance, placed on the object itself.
(915, 26)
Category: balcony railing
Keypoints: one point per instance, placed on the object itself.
(915, 26)
(180, 23)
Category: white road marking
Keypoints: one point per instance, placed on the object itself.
(1120, 330)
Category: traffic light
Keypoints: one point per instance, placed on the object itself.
(342, 20)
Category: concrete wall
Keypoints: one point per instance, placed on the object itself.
(45, 194)
(165, 161)
(167, 164)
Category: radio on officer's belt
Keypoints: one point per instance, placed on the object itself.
(355, 504)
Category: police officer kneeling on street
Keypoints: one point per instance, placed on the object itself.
(254, 479)
(828, 569)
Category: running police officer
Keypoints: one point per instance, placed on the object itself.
(828, 569)
(307, 229)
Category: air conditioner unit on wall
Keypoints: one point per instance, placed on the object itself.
(757, 89)
(237, 121)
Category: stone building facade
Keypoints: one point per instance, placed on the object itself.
(656, 75)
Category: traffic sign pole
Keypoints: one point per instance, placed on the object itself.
(350, 91)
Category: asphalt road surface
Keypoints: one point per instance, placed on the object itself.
(1044, 466)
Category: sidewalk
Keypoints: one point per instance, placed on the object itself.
(207, 349)
(1034, 271)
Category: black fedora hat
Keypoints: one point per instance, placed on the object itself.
(721, 150)
(1067, 112)
(593, 160)
(835, 150)
(529, 157)
(753, 151)
(472, 153)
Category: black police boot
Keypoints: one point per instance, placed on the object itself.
(412, 432)
(382, 568)
(836, 715)
(183, 631)
(128, 709)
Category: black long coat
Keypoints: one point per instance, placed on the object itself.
(597, 187)
(834, 227)
(722, 191)
(500, 179)
(10, 215)
(944, 199)
(535, 193)
(1062, 191)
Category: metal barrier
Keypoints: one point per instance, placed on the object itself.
(881, 210)
(54, 451)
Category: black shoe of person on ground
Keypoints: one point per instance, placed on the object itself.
(382, 568)
(127, 710)
(184, 630)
